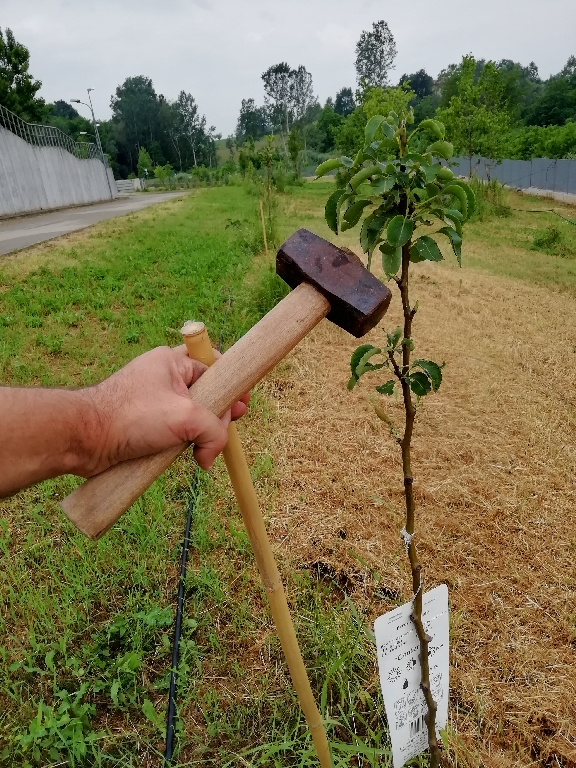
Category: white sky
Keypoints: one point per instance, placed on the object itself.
(217, 49)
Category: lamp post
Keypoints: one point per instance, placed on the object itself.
(98, 142)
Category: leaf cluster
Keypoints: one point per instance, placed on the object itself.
(422, 376)
(405, 198)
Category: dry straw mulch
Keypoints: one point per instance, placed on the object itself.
(494, 464)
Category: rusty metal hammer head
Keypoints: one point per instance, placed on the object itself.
(357, 298)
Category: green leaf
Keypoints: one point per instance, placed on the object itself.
(386, 389)
(432, 190)
(363, 174)
(441, 149)
(373, 224)
(353, 214)
(469, 194)
(382, 185)
(455, 190)
(149, 711)
(444, 174)
(114, 692)
(394, 338)
(399, 230)
(435, 128)
(365, 365)
(454, 217)
(387, 130)
(372, 126)
(455, 241)
(391, 259)
(433, 370)
(331, 210)
(328, 165)
(358, 354)
(425, 249)
(347, 162)
(419, 383)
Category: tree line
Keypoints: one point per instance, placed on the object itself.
(496, 109)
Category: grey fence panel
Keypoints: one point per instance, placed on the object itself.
(542, 173)
(562, 174)
(572, 178)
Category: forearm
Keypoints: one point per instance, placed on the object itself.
(45, 433)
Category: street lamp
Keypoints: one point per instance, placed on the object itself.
(95, 124)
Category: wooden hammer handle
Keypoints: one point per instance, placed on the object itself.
(98, 503)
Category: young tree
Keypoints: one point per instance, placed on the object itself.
(375, 54)
(17, 86)
(295, 145)
(407, 201)
(145, 164)
(344, 103)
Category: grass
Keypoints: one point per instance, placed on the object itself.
(85, 660)
(87, 626)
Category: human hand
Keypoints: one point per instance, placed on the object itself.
(145, 408)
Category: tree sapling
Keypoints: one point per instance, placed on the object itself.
(405, 199)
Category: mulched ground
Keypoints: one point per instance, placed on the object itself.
(494, 466)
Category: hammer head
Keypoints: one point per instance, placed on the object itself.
(357, 299)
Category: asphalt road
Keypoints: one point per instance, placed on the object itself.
(24, 231)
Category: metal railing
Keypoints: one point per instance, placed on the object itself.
(48, 136)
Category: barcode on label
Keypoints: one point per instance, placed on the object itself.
(417, 725)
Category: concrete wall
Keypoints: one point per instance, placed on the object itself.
(36, 178)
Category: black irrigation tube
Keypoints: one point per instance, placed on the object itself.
(544, 210)
(170, 730)
(173, 690)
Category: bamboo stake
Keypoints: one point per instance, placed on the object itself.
(199, 348)
(264, 229)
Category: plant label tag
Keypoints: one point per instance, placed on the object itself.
(400, 672)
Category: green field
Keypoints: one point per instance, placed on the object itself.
(87, 626)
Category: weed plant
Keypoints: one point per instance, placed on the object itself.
(490, 200)
(552, 240)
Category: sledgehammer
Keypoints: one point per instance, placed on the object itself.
(328, 282)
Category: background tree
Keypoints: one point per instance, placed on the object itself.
(344, 103)
(277, 89)
(252, 121)
(375, 54)
(302, 97)
(557, 101)
(135, 115)
(477, 117)
(17, 86)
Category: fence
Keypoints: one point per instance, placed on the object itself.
(41, 168)
(538, 175)
(48, 136)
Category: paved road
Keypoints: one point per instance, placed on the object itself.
(28, 230)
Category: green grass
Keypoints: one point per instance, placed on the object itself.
(87, 626)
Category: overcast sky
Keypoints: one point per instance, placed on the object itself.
(217, 49)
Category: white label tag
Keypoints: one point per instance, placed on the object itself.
(400, 673)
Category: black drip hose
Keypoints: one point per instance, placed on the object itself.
(170, 731)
